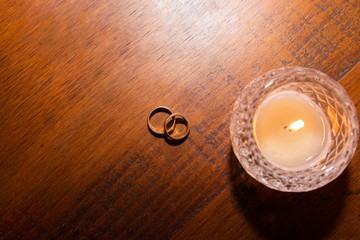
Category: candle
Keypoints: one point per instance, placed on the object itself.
(290, 130)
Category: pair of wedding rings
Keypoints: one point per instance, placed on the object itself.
(169, 124)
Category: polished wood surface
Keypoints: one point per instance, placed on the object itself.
(78, 79)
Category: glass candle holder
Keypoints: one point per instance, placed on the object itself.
(294, 129)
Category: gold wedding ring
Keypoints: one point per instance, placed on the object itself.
(174, 117)
(169, 130)
(152, 113)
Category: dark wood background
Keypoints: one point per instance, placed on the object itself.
(78, 79)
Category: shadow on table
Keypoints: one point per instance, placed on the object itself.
(279, 215)
(169, 141)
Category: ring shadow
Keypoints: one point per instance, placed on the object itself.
(284, 215)
(167, 140)
(175, 142)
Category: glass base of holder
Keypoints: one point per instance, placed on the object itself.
(340, 133)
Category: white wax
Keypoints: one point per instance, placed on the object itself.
(291, 130)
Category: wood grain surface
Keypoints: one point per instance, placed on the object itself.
(78, 79)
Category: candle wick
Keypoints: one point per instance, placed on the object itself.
(295, 126)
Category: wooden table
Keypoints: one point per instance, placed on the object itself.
(78, 79)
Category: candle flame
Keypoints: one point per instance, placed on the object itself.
(296, 125)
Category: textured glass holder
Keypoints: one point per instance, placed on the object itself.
(323, 91)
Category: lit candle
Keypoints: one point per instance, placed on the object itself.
(290, 130)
